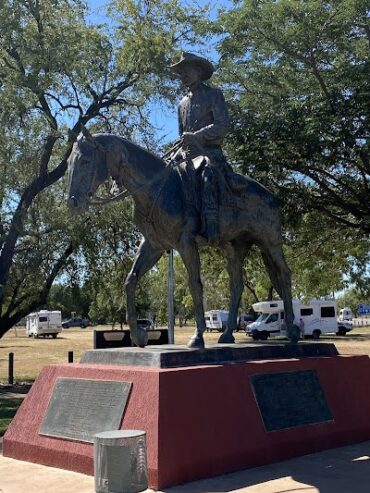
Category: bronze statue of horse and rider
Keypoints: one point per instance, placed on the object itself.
(186, 201)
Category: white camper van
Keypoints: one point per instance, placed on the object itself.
(318, 317)
(345, 314)
(216, 320)
(44, 323)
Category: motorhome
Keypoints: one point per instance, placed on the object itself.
(345, 314)
(316, 318)
(44, 323)
(216, 320)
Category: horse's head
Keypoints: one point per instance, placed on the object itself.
(87, 170)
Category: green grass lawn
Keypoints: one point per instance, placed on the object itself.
(8, 408)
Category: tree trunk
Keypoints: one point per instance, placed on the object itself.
(10, 318)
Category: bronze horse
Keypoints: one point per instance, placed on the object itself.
(161, 214)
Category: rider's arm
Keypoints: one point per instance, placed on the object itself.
(179, 119)
(215, 132)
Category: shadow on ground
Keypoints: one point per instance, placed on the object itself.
(343, 470)
(12, 390)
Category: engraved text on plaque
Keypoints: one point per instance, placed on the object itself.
(80, 408)
(290, 399)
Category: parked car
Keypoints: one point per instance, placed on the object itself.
(75, 322)
(145, 323)
(343, 327)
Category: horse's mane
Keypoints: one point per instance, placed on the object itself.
(135, 152)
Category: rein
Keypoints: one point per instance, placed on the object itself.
(125, 193)
(149, 218)
(108, 200)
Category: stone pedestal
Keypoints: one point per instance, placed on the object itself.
(174, 356)
(209, 419)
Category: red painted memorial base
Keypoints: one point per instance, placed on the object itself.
(200, 421)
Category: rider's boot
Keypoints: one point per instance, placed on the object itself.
(210, 206)
(212, 230)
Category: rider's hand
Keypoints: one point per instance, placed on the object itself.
(190, 139)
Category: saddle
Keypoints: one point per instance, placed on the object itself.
(232, 187)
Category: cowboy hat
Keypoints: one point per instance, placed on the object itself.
(188, 59)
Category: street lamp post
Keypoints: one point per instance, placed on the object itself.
(171, 314)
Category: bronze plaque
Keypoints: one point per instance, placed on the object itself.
(80, 408)
(290, 399)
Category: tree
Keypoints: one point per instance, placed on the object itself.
(107, 260)
(158, 291)
(69, 299)
(215, 280)
(298, 79)
(323, 261)
(57, 73)
(352, 298)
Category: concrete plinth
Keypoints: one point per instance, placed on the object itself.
(175, 356)
(201, 421)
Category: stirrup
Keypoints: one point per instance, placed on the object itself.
(212, 232)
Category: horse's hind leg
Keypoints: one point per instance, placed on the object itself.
(235, 254)
(145, 258)
(190, 256)
(279, 273)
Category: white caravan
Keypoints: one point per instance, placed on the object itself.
(44, 323)
(216, 320)
(318, 316)
(345, 314)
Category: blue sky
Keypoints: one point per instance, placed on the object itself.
(163, 119)
(98, 6)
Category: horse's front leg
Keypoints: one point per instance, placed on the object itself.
(146, 257)
(190, 256)
(235, 254)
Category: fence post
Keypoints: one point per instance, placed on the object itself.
(70, 356)
(11, 369)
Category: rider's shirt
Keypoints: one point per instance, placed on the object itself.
(204, 113)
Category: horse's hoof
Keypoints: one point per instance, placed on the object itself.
(226, 339)
(196, 342)
(139, 337)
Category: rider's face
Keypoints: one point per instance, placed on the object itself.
(191, 75)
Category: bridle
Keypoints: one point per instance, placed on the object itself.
(108, 200)
(98, 201)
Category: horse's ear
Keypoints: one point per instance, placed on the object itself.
(86, 133)
(71, 135)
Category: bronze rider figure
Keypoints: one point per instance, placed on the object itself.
(203, 123)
